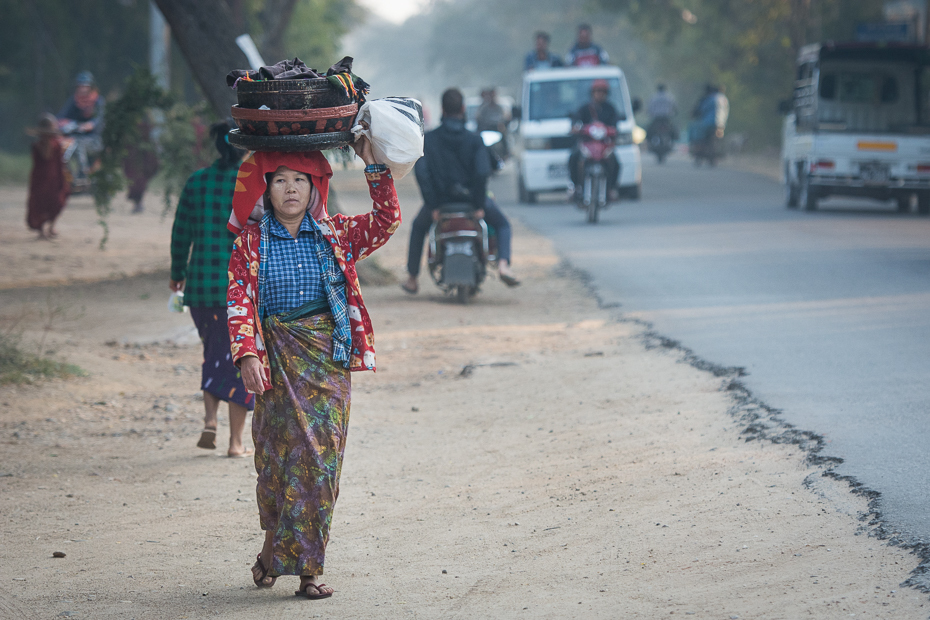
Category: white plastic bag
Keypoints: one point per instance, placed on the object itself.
(176, 302)
(395, 128)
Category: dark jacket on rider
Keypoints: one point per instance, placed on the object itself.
(455, 166)
(591, 112)
(72, 112)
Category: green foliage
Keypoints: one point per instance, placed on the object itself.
(185, 145)
(14, 168)
(20, 367)
(314, 32)
(122, 118)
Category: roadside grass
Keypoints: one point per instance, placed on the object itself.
(14, 168)
(19, 367)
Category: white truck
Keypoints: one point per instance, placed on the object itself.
(859, 125)
(550, 97)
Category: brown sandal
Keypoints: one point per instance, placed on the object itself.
(207, 439)
(304, 591)
(260, 582)
(410, 290)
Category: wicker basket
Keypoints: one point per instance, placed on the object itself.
(291, 94)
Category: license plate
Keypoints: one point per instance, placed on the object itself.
(874, 173)
(459, 247)
(558, 171)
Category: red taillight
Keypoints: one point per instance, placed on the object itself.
(823, 164)
(923, 167)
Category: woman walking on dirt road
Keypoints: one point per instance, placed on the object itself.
(200, 222)
(298, 326)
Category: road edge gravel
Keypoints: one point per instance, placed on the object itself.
(760, 421)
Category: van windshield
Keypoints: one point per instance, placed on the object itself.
(562, 98)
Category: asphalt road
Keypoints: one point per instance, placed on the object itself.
(829, 312)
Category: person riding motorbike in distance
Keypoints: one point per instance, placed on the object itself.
(599, 109)
(662, 109)
(455, 168)
(82, 114)
(491, 116)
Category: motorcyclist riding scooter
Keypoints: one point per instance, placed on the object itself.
(81, 121)
(662, 132)
(457, 212)
(705, 133)
(593, 159)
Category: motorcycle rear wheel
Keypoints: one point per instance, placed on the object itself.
(461, 294)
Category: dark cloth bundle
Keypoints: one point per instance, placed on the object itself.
(288, 70)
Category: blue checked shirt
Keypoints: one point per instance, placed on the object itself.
(293, 272)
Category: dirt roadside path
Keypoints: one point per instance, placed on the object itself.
(569, 473)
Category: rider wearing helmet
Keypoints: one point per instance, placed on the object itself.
(84, 107)
(599, 109)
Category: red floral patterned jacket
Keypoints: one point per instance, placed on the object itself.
(352, 237)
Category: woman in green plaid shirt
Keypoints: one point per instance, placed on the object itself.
(200, 250)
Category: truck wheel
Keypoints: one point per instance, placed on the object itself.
(637, 192)
(923, 203)
(807, 195)
(904, 203)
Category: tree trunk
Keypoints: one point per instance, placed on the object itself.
(274, 17)
(206, 35)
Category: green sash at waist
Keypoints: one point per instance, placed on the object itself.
(316, 306)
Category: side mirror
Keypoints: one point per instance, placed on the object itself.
(637, 105)
(516, 113)
(785, 106)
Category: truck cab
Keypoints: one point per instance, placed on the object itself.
(859, 125)
(550, 97)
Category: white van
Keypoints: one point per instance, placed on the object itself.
(859, 125)
(550, 97)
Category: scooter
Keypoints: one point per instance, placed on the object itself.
(497, 148)
(709, 148)
(81, 157)
(460, 249)
(661, 138)
(596, 145)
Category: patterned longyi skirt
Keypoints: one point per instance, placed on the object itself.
(299, 429)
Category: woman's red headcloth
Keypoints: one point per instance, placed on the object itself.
(251, 183)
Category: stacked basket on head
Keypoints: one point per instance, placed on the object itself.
(295, 115)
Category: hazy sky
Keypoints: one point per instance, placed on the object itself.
(394, 10)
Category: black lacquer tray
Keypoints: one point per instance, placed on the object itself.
(309, 142)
